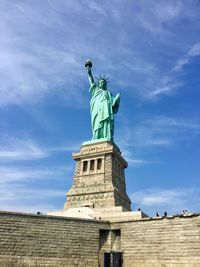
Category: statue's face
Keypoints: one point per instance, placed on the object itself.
(102, 84)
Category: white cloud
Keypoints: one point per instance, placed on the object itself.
(159, 197)
(155, 16)
(166, 86)
(154, 134)
(130, 157)
(32, 189)
(25, 174)
(43, 47)
(32, 65)
(194, 50)
(170, 82)
(26, 149)
(171, 200)
(72, 146)
(186, 59)
(164, 131)
(43, 204)
(97, 7)
(19, 149)
(181, 63)
(32, 208)
(21, 193)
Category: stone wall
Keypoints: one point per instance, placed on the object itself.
(36, 240)
(161, 242)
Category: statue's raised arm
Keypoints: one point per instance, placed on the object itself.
(103, 106)
(88, 65)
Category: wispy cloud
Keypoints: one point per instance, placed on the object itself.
(165, 125)
(31, 189)
(31, 200)
(72, 146)
(30, 70)
(186, 59)
(132, 159)
(43, 207)
(97, 7)
(21, 193)
(43, 47)
(170, 82)
(166, 86)
(156, 16)
(17, 149)
(26, 149)
(156, 133)
(171, 200)
(25, 174)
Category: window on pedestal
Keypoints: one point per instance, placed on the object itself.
(85, 164)
(99, 164)
(92, 165)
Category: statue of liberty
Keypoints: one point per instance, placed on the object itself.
(103, 106)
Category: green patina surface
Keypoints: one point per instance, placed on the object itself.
(103, 106)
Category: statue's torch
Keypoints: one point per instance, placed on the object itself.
(88, 64)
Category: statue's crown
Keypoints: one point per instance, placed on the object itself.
(102, 78)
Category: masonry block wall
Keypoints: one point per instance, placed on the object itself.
(162, 242)
(31, 240)
(48, 241)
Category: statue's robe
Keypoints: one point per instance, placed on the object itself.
(102, 109)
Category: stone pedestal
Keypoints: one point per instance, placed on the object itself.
(99, 180)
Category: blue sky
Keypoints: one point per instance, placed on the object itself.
(150, 50)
